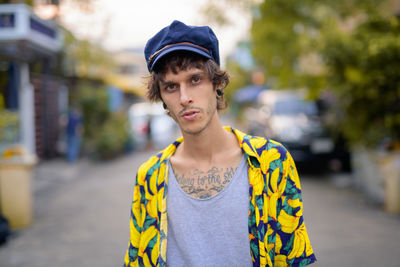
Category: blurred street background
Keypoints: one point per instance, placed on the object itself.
(82, 218)
(320, 77)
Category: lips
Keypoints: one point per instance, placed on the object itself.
(190, 115)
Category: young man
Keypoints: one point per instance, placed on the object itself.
(216, 196)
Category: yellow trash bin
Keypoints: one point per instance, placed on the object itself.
(16, 202)
(390, 168)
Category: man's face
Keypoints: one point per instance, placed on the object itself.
(190, 99)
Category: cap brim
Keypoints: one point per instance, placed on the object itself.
(178, 48)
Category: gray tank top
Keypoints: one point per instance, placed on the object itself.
(212, 231)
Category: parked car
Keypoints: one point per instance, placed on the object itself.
(287, 117)
(150, 126)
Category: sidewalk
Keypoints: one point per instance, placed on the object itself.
(345, 228)
(82, 219)
(81, 215)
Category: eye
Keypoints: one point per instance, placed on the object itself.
(170, 87)
(196, 79)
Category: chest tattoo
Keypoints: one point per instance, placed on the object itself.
(204, 184)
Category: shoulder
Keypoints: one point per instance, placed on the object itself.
(145, 168)
(154, 162)
(261, 149)
(267, 148)
(149, 163)
(277, 160)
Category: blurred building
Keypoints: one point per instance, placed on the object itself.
(30, 88)
(131, 71)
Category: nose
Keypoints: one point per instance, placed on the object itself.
(185, 96)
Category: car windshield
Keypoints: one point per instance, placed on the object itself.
(294, 106)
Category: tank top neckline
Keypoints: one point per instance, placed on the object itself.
(217, 195)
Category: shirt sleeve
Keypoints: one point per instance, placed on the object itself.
(135, 226)
(292, 245)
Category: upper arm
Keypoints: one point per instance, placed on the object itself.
(293, 246)
(135, 225)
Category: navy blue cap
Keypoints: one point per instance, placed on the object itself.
(179, 36)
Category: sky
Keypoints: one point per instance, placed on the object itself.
(119, 24)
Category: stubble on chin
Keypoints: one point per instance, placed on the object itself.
(209, 112)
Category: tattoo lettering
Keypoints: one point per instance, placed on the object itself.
(185, 181)
(204, 184)
(229, 172)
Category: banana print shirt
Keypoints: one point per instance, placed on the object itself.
(277, 232)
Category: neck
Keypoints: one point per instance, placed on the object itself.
(206, 145)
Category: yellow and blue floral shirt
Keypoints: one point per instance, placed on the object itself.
(277, 233)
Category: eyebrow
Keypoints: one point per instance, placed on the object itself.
(198, 73)
(165, 83)
(190, 75)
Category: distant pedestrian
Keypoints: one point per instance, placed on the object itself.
(74, 135)
(149, 143)
(216, 196)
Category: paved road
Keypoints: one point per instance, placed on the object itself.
(82, 214)
(347, 230)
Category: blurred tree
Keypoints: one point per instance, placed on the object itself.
(93, 102)
(363, 73)
(85, 59)
(240, 67)
(274, 45)
(113, 137)
(215, 12)
(106, 134)
(88, 66)
(84, 5)
(239, 78)
(28, 2)
(284, 32)
(349, 47)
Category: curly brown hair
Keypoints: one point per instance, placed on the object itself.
(182, 60)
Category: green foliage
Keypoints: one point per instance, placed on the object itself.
(239, 78)
(112, 137)
(93, 102)
(350, 48)
(214, 11)
(283, 32)
(363, 74)
(85, 59)
(106, 134)
(28, 2)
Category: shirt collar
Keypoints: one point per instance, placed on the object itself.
(244, 141)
